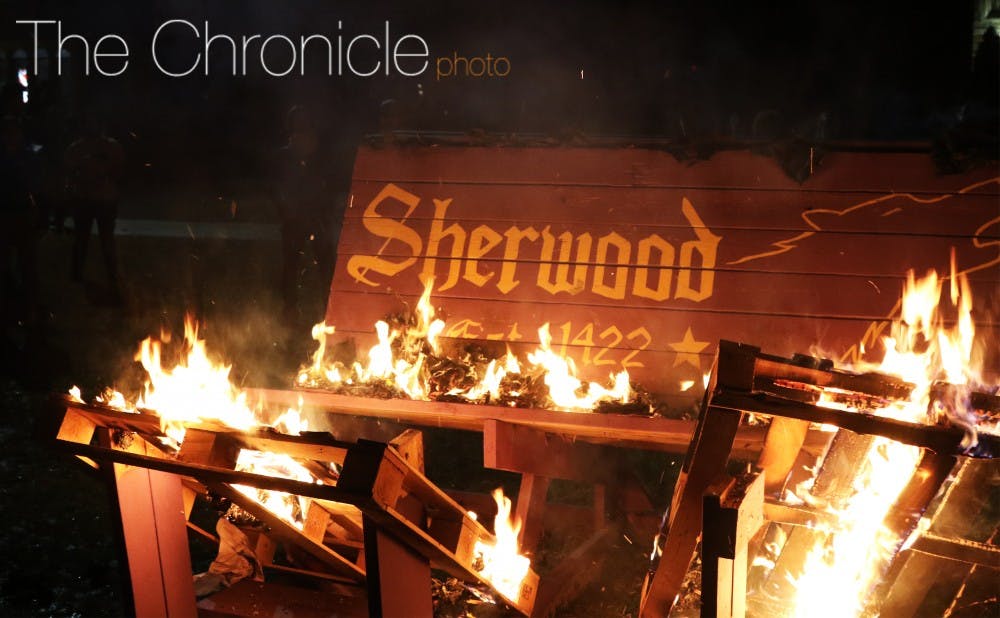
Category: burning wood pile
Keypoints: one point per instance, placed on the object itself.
(408, 361)
(836, 531)
(835, 513)
(337, 508)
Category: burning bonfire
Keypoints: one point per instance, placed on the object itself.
(932, 348)
(928, 348)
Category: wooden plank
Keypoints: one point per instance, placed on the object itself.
(530, 510)
(931, 473)
(640, 167)
(310, 445)
(959, 550)
(150, 505)
(781, 449)
(658, 434)
(626, 241)
(706, 460)
(410, 445)
(733, 514)
(519, 448)
(834, 482)
(920, 576)
(399, 579)
(849, 290)
(904, 516)
(965, 506)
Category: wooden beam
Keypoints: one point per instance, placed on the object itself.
(706, 460)
(154, 528)
(519, 448)
(651, 433)
(399, 579)
(782, 444)
(410, 446)
(941, 439)
(733, 513)
(530, 510)
(211, 474)
(76, 427)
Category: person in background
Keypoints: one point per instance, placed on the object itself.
(18, 226)
(94, 165)
(305, 205)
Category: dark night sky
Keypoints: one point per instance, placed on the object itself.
(679, 68)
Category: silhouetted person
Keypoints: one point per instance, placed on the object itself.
(306, 206)
(94, 165)
(18, 225)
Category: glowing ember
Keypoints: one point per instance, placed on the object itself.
(847, 561)
(503, 564)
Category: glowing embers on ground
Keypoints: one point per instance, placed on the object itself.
(502, 562)
(400, 360)
(853, 550)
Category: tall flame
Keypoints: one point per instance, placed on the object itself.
(847, 561)
(503, 564)
(198, 389)
(195, 389)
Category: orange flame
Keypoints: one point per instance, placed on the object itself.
(198, 389)
(503, 564)
(846, 563)
(398, 359)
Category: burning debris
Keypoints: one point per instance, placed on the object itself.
(840, 518)
(197, 395)
(928, 391)
(408, 361)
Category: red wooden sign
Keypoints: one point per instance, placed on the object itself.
(639, 261)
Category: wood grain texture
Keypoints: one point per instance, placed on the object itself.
(647, 262)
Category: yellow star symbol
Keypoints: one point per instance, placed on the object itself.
(687, 350)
